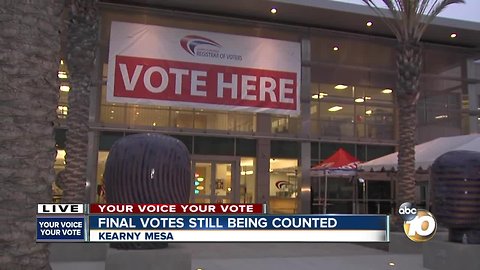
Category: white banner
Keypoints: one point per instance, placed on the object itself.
(239, 236)
(157, 65)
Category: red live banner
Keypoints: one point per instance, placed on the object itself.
(177, 208)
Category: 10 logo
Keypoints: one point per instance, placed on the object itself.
(419, 224)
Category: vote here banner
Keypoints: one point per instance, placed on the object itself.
(163, 66)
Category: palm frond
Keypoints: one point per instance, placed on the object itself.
(410, 17)
(433, 13)
(393, 25)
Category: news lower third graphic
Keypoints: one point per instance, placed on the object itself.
(200, 223)
(418, 224)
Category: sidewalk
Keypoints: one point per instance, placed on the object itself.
(298, 256)
(281, 256)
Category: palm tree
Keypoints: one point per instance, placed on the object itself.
(29, 60)
(409, 21)
(81, 49)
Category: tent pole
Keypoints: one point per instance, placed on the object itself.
(325, 196)
(319, 193)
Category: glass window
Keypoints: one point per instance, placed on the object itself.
(283, 185)
(323, 90)
(147, 116)
(371, 94)
(214, 146)
(375, 122)
(247, 180)
(242, 122)
(182, 118)
(102, 159)
(336, 119)
(285, 124)
(203, 182)
(210, 120)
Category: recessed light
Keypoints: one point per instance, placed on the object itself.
(315, 96)
(359, 100)
(391, 263)
(335, 48)
(368, 98)
(387, 91)
(61, 62)
(369, 23)
(154, 124)
(453, 35)
(335, 108)
(62, 75)
(273, 10)
(368, 112)
(322, 95)
(340, 86)
(64, 88)
(112, 111)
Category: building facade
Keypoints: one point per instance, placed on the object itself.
(346, 100)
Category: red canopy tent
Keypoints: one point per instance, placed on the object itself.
(340, 164)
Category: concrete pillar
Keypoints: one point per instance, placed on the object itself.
(264, 127)
(305, 154)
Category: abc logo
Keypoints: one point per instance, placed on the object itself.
(419, 224)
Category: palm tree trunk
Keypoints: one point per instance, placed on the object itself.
(409, 63)
(81, 48)
(29, 61)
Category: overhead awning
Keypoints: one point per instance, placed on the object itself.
(425, 153)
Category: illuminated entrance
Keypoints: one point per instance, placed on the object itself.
(215, 180)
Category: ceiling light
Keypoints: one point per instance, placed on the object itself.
(137, 113)
(453, 35)
(273, 10)
(387, 91)
(200, 179)
(315, 96)
(61, 62)
(200, 188)
(154, 124)
(391, 263)
(340, 87)
(368, 112)
(335, 48)
(64, 88)
(369, 23)
(441, 116)
(359, 100)
(322, 95)
(335, 108)
(62, 75)
(368, 98)
(112, 111)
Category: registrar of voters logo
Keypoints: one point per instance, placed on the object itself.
(418, 224)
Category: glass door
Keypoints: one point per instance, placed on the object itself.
(215, 181)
